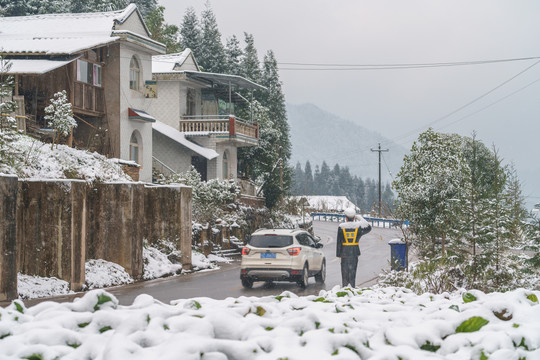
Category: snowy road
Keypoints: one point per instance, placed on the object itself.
(226, 282)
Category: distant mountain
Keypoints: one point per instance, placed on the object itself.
(317, 136)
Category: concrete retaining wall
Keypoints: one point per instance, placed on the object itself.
(116, 222)
(50, 228)
(8, 237)
(168, 216)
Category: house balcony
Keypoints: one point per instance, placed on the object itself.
(222, 127)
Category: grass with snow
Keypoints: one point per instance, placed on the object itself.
(344, 323)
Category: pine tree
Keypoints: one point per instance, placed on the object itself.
(429, 184)
(190, 31)
(162, 32)
(298, 180)
(250, 62)
(211, 53)
(308, 181)
(233, 54)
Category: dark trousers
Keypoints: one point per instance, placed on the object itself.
(348, 270)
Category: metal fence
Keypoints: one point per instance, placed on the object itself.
(375, 222)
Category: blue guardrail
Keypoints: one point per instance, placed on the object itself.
(378, 222)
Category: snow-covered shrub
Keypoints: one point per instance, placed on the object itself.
(33, 287)
(60, 115)
(100, 273)
(161, 259)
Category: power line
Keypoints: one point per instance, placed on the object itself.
(355, 67)
(466, 105)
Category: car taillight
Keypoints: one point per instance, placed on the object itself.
(245, 251)
(294, 251)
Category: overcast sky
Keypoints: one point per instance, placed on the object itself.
(400, 104)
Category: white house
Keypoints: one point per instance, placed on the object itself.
(195, 122)
(103, 61)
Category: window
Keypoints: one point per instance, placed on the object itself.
(270, 241)
(134, 148)
(225, 166)
(88, 73)
(134, 73)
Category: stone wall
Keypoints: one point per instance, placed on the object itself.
(50, 228)
(8, 239)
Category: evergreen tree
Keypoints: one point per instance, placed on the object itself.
(317, 186)
(308, 181)
(432, 178)
(7, 105)
(162, 32)
(233, 54)
(324, 181)
(190, 31)
(359, 194)
(250, 62)
(298, 180)
(211, 53)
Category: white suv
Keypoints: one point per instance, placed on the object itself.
(282, 255)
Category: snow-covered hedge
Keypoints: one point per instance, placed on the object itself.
(389, 323)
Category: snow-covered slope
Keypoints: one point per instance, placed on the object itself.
(27, 157)
(387, 323)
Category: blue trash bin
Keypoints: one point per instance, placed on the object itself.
(398, 254)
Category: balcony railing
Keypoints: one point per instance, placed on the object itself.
(225, 125)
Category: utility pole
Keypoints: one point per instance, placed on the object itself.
(380, 151)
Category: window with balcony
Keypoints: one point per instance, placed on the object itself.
(134, 74)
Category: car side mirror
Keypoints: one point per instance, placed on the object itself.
(318, 245)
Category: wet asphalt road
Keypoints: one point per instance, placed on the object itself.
(225, 282)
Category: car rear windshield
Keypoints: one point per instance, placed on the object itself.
(271, 241)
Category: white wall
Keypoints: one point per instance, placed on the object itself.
(166, 107)
(135, 99)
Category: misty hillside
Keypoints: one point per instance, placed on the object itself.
(317, 136)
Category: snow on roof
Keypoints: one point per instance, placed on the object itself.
(60, 33)
(335, 203)
(179, 137)
(38, 67)
(167, 63)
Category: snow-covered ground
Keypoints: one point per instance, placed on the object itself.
(327, 202)
(101, 274)
(381, 323)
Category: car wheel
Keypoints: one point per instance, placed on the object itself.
(321, 276)
(247, 283)
(303, 282)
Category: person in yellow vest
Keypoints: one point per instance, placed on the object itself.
(347, 247)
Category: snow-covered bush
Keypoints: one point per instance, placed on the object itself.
(161, 259)
(60, 115)
(100, 273)
(32, 287)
